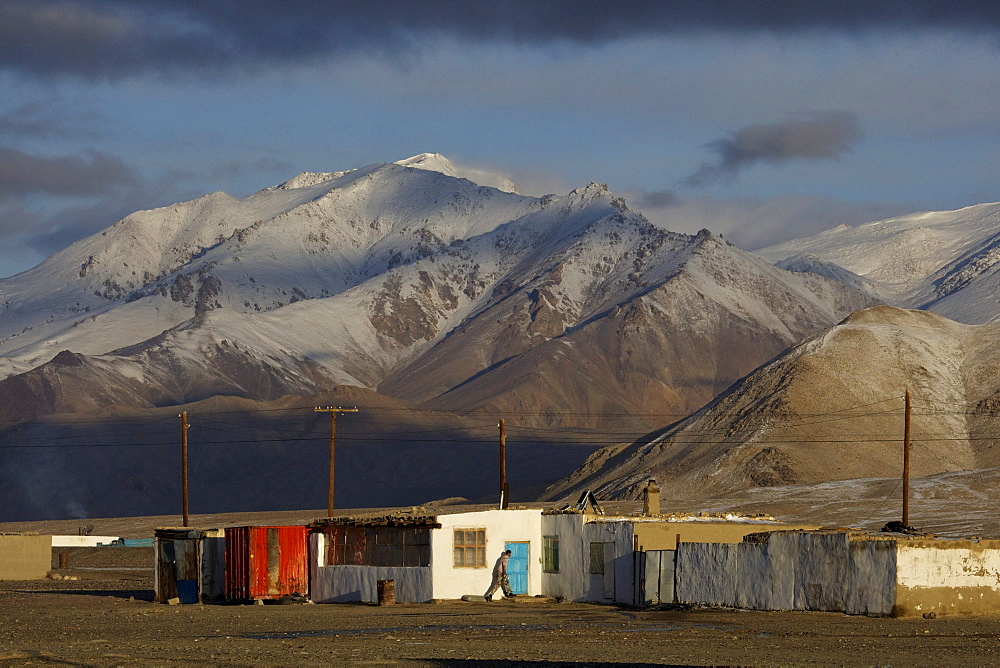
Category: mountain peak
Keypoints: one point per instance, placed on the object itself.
(434, 162)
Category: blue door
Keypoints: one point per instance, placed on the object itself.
(517, 567)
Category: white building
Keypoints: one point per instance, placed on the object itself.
(444, 556)
(570, 554)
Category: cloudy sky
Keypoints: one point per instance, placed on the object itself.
(758, 120)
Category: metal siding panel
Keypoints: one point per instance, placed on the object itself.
(237, 563)
(294, 558)
(166, 582)
(259, 580)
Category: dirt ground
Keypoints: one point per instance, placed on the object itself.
(107, 617)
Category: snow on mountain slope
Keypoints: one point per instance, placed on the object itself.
(807, 263)
(628, 318)
(944, 261)
(829, 409)
(361, 334)
(438, 163)
(423, 285)
(275, 247)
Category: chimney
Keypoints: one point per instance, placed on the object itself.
(651, 499)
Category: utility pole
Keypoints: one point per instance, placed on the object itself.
(906, 461)
(184, 465)
(504, 490)
(333, 446)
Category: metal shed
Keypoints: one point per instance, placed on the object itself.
(188, 564)
(266, 562)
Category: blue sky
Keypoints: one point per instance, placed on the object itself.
(758, 120)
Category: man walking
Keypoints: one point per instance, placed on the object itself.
(500, 579)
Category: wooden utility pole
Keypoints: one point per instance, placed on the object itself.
(906, 461)
(184, 465)
(333, 447)
(504, 491)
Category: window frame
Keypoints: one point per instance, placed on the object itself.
(597, 565)
(477, 547)
(550, 554)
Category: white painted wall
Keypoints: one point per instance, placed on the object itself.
(574, 581)
(440, 580)
(922, 567)
(82, 541)
(502, 526)
(618, 583)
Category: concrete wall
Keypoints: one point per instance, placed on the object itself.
(350, 584)
(25, 556)
(947, 577)
(832, 571)
(574, 582)
(502, 526)
(618, 582)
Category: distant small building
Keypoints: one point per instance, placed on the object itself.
(848, 571)
(25, 556)
(188, 564)
(82, 540)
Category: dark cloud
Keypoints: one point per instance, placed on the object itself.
(110, 39)
(813, 137)
(657, 200)
(46, 119)
(50, 234)
(29, 232)
(92, 173)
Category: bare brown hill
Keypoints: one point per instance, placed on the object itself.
(829, 409)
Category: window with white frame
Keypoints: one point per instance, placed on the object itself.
(470, 548)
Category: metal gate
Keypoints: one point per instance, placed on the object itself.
(654, 577)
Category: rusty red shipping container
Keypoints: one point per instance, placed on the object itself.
(266, 562)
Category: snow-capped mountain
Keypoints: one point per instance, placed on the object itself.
(408, 281)
(408, 284)
(831, 408)
(947, 262)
